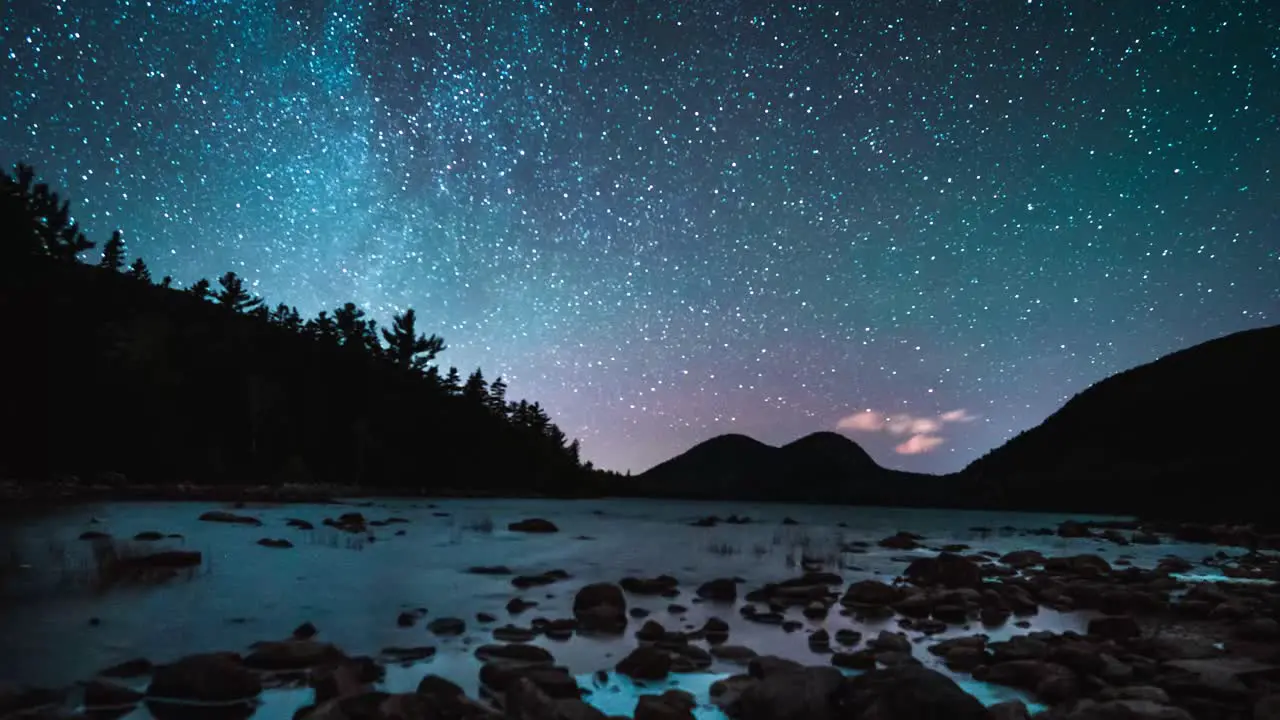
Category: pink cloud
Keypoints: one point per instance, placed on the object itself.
(918, 444)
(867, 421)
(959, 415)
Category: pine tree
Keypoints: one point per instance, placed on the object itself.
(476, 389)
(113, 253)
(166, 281)
(406, 348)
(453, 381)
(38, 222)
(354, 330)
(498, 397)
(233, 294)
(200, 289)
(138, 271)
(322, 328)
(286, 317)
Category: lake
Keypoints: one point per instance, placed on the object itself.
(58, 628)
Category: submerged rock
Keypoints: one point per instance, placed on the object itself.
(223, 516)
(208, 677)
(533, 525)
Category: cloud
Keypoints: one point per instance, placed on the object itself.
(961, 415)
(922, 433)
(918, 444)
(867, 420)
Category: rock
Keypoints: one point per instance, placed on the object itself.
(737, 654)
(947, 570)
(906, 692)
(847, 637)
(525, 582)
(406, 655)
(349, 678)
(447, 626)
(94, 535)
(513, 634)
(279, 543)
(223, 516)
(1126, 710)
(526, 701)
(292, 654)
(305, 631)
(518, 605)
(299, 524)
(1115, 627)
(490, 570)
(789, 693)
(601, 608)
(870, 592)
(17, 699)
(148, 536)
(646, 663)
(901, 541)
(1268, 708)
(858, 660)
(1009, 710)
(1074, 529)
(101, 694)
(533, 525)
(128, 669)
(210, 677)
(661, 585)
(529, 654)
(719, 590)
(670, 705)
(890, 642)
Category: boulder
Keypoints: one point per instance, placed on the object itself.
(910, 691)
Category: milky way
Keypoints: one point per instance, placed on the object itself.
(926, 223)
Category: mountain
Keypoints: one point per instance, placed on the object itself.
(1193, 433)
(1189, 435)
(822, 467)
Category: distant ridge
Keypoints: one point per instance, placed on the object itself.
(1192, 434)
(822, 467)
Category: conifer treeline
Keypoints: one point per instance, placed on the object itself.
(117, 372)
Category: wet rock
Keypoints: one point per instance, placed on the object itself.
(148, 536)
(279, 543)
(518, 605)
(533, 525)
(299, 524)
(305, 631)
(1009, 710)
(857, 660)
(890, 642)
(847, 637)
(601, 608)
(529, 654)
(447, 626)
(527, 581)
(209, 677)
(513, 634)
(490, 570)
(223, 516)
(946, 570)
(349, 678)
(645, 663)
(1125, 710)
(483, 617)
(906, 692)
(16, 698)
(670, 705)
(901, 541)
(404, 655)
(820, 641)
(871, 592)
(101, 694)
(1050, 682)
(498, 678)
(292, 654)
(737, 654)
(787, 692)
(526, 701)
(719, 590)
(128, 669)
(661, 585)
(1115, 627)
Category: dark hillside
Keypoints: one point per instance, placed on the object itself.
(111, 372)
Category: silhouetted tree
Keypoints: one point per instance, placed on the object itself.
(476, 389)
(452, 382)
(406, 348)
(200, 289)
(354, 330)
(322, 328)
(113, 252)
(498, 397)
(138, 271)
(233, 295)
(37, 220)
(286, 317)
(166, 282)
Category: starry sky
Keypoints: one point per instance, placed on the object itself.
(925, 224)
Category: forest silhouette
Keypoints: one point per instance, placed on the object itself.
(111, 372)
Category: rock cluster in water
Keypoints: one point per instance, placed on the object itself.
(1156, 647)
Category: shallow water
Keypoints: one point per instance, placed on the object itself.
(352, 589)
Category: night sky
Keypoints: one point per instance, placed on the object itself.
(925, 223)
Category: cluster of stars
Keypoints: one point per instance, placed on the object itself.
(670, 220)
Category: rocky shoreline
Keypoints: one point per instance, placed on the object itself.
(1157, 646)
